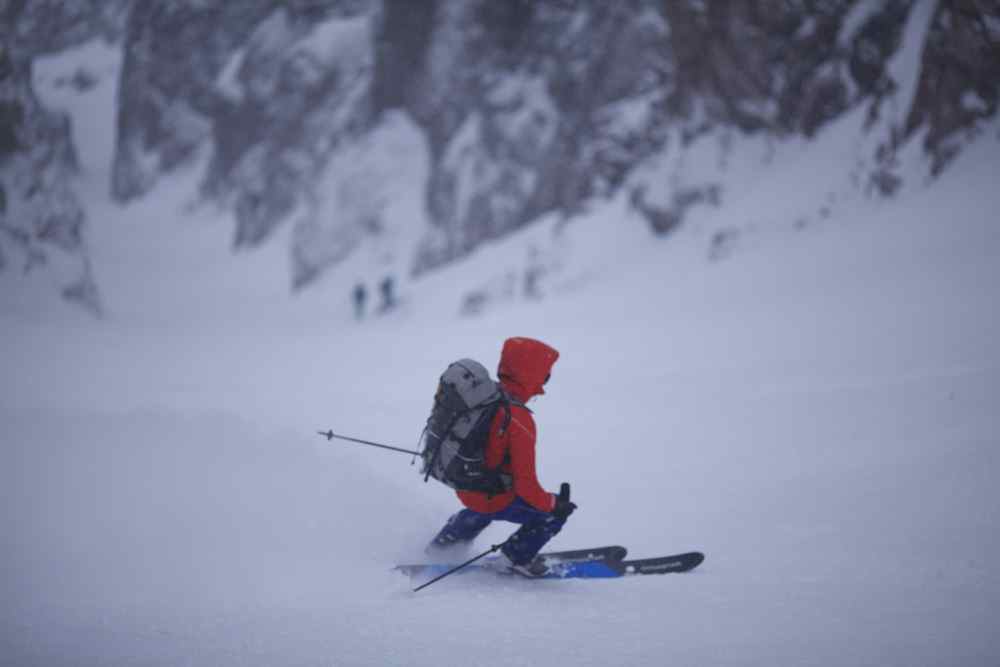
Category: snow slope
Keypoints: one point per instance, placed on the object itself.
(816, 411)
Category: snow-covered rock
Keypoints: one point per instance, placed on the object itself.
(528, 108)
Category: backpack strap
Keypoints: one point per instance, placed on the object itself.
(506, 401)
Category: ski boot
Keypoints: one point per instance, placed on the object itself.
(533, 569)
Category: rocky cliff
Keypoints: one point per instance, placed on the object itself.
(40, 213)
(528, 107)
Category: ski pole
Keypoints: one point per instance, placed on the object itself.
(455, 569)
(329, 435)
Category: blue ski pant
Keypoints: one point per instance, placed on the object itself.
(536, 529)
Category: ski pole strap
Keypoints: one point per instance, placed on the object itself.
(495, 547)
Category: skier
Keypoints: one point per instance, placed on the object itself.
(388, 297)
(359, 301)
(525, 367)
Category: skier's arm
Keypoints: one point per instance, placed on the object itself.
(522, 463)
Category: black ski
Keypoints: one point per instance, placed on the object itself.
(662, 564)
(614, 552)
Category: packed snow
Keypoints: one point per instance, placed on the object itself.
(816, 411)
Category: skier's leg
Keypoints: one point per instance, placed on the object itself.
(537, 528)
(461, 528)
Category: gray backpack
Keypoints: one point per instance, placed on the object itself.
(458, 429)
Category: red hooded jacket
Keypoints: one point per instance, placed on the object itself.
(525, 365)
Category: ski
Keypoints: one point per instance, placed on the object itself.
(663, 564)
(611, 569)
(609, 553)
(597, 568)
(614, 552)
(570, 569)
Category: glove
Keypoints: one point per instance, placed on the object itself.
(563, 507)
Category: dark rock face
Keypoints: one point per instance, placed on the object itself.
(551, 103)
(528, 106)
(960, 85)
(174, 50)
(37, 27)
(39, 210)
(38, 159)
(235, 76)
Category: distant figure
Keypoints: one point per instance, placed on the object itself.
(388, 298)
(359, 301)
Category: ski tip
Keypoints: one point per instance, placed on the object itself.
(684, 562)
(690, 560)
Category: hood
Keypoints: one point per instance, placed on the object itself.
(525, 364)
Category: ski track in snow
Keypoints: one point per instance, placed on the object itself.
(817, 413)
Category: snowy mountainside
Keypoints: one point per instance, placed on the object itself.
(525, 110)
(815, 409)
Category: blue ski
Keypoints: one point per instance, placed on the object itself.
(573, 569)
(600, 568)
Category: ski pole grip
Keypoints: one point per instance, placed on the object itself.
(564, 491)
